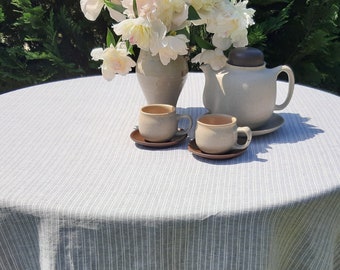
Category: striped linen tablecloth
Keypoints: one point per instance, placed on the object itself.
(77, 193)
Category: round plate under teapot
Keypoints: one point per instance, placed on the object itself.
(274, 123)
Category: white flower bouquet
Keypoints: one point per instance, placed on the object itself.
(162, 27)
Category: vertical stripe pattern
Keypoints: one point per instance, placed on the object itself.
(76, 193)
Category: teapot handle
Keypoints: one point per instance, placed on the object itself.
(291, 82)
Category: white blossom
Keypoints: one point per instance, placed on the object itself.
(153, 25)
(170, 47)
(223, 43)
(115, 60)
(215, 58)
(136, 31)
(92, 9)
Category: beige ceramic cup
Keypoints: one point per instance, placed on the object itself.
(217, 134)
(159, 122)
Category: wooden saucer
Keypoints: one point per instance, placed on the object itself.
(139, 139)
(193, 148)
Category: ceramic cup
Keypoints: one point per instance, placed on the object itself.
(159, 122)
(217, 133)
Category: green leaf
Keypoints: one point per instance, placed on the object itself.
(204, 44)
(114, 6)
(193, 15)
(256, 36)
(2, 15)
(130, 48)
(135, 9)
(22, 4)
(110, 39)
(184, 31)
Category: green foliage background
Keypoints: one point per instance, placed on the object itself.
(50, 40)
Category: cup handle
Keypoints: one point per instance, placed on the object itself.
(184, 131)
(248, 133)
(291, 82)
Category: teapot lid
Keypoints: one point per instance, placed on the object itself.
(246, 57)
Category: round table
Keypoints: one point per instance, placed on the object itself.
(77, 193)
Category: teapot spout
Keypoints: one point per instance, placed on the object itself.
(209, 73)
(212, 89)
(205, 68)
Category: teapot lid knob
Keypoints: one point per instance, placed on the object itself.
(246, 57)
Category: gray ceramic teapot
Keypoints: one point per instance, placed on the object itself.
(245, 88)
